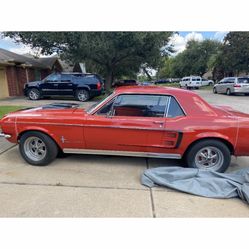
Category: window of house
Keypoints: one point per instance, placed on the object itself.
(37, 73)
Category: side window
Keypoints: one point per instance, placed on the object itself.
(87, 80)
(243, 80)
(174, 109)
(140, 105)
(106, 109)
(230, 80)
(54, 78)
(66, 78)
(223, 81)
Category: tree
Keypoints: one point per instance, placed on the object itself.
(194, 60)
(112, 52)
(165, 71)
(234, 55)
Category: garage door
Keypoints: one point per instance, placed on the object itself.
(4, 92)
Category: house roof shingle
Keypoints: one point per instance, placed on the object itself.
(10, 57)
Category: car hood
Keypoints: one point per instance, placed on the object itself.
(33, 83)
(51, 110)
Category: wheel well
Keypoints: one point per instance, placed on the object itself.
(33, 87)
(227, 143)
(23, 132)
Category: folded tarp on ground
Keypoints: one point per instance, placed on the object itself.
(200, 182)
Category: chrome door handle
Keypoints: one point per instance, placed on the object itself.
(158, 122)
(56, 84)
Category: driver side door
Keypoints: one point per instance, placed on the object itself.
(128, 123)
(50, 85)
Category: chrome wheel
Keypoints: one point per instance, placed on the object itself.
(83, 95)
(209, 158)
(33, 95)
(35, 149)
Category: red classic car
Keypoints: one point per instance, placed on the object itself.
(142, 121)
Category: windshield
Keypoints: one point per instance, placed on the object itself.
(95, 105)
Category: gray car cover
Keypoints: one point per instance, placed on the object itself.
(200, 182)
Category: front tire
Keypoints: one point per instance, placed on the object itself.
(214, 90)
(82, 95)
(34, 94)
(210, 155)
(37, 148)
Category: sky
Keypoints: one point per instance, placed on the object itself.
(179, 40)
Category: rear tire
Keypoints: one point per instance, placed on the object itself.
(82, 95)
(209, 154)
(228, 91)
(37, 148)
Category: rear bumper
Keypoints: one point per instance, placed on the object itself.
(5, 135)
(94, 93)
(240, 90)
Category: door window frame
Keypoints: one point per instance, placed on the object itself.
(112, 99)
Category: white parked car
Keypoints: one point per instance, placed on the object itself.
(232, 85)
(194, 82)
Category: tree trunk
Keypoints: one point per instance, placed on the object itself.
(147, 74)
(108, 82)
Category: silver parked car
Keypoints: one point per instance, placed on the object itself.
(232, 85)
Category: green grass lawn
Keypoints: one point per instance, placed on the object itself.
(6, 109)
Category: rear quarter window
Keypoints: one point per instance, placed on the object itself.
(243, 80)
(174, 109)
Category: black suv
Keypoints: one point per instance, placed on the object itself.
(81, 86)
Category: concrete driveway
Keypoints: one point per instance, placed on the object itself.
(104, 186)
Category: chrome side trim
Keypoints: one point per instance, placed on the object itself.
(53, 90)
(98, 126)
(5, 135)
(122, 153)
(45, 123)
(126, 127)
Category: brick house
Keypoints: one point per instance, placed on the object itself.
(16, 70)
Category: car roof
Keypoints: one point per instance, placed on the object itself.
(190, 101)
(153, 90)
(77, 73)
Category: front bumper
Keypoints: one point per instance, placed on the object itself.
(5, 135)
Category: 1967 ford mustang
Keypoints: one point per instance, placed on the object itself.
(136, 121)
